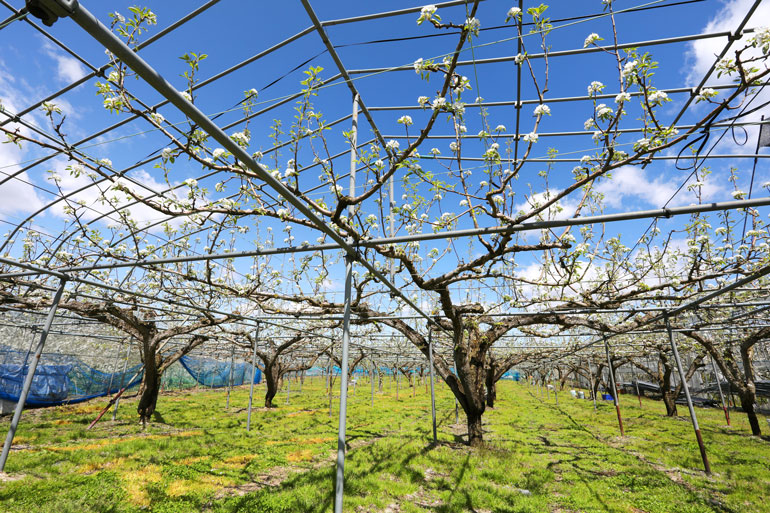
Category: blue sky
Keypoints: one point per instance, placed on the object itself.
(31, 68)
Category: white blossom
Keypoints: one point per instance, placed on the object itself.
(438, 103)
(473, 25)
(392, 145)
(166, 153)
(591, 39)
(217, 153)
(595, 87)
(427, 13)
(191, 182)
(603, 112)
(513, 12)
(405, 120)
(622, 97)
(186, 95)
(657, 97)
(49, 108)
(240, 138)
(705, 94)
(105, 162)
(542, 109)
(629, 68)
(589, 124)
(422, 100)
(500, 128)
(531, 137)
(157, 118)
(519, 58)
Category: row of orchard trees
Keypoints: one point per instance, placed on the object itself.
(578, 268)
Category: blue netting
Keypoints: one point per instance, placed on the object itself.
(58, 379)
(213, 373)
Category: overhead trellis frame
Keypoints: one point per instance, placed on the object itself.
(72, 8)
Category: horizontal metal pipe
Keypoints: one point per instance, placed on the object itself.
(562, 53)
(537, 101)
(453, 234)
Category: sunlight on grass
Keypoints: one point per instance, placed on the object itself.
(539, 457)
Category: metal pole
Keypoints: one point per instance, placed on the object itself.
(122, 380)
(432, 391)
(615, 397)
(230, 383)
(693, 416)
(343, 389)
(591, 384)
(372, 380)
(392, 222)
(338, 490)
(636, 382)
(112, 374)
(253, 377)
(398, 378)
(288, 386)
(31, 374)
(555, 390)
(719, 387)
(331, 395)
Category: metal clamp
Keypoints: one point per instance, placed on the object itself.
(49, 11)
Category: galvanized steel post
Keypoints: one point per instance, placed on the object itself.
(122, 380)
(693, 416)
(31, 374)
(253, 377)
(719, 387)
(230, 383)
(432, 391)
(615, 397)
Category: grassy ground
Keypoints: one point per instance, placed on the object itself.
(540, 456)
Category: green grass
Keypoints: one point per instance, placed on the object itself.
(197, 456)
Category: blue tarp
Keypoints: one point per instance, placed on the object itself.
(58, 379)
(215, 374)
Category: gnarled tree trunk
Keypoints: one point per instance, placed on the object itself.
(150, 388)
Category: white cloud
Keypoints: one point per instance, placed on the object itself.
(68, 69)
(17, 194)
(632, 181)
(562, 209)
(703, 53)
(92, 197)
